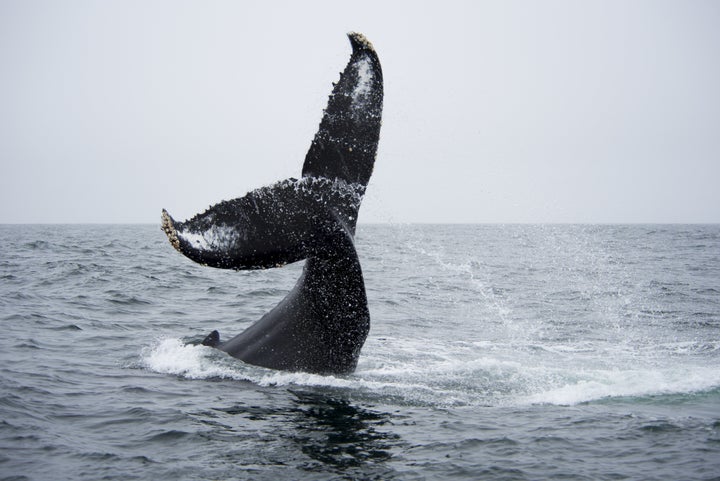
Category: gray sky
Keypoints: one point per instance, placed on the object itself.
(502, 111)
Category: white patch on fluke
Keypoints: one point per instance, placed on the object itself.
(217, 237)
(365, 80)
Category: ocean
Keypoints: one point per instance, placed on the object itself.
(496, 352)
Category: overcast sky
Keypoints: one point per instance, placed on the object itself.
(497, 111)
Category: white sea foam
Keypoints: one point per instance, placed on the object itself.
(172, 356)
(447, 375)
(602, 384)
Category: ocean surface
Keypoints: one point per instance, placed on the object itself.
(496, 352)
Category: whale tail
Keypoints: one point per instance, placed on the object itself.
(272, 226)
(322, 323)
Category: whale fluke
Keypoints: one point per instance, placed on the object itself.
(347, 140)
(322, 323)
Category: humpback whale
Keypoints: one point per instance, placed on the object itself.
(322, 324)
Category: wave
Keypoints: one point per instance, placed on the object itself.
(410, 375)
(632, 383)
